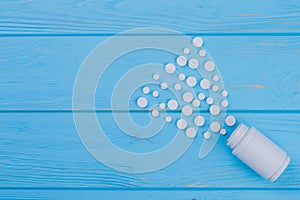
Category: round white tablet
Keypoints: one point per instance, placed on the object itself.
(201, 96)
(215, 88)
(170, 68)
(190, 132)
(188, 97)
(202, 53)
(191, 81)
(199, 121)
(197, 42)
(172, 104)
(162, 105)
(206, 135)
(142, 102)
(209, 100)
(193, 63)
(215, 127)
(186, 50)
(156, 76)
(196, 103)
(177, 86)
(223, 131)
(224, 93)
(230, 120)
(146, 90)
(181, 60)
(163, 85)
(168, 119)
(205, 84)
(187, 110)
(155, 113)
(181, 76)
(209, 66)
(155, 93)
(216, 78)
(181, 124)
(224, 103)
(214, 110)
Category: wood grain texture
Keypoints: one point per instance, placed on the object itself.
(109, 17)
(44, 150)
(38, 73)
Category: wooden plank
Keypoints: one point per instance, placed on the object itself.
(109, 17)
(44, 150)
(149, 194)
(37, 73)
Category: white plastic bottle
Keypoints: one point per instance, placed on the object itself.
(258, 152)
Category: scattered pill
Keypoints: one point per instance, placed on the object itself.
(197, 42)
(223, 131)
(172, 104)
(224, 103)
(224, 93)
(209, 66)
(142, 102)
(201, 96)
(202, 53)
(146, 90)
(155, 113)
(199, 121)
(230, 120)
(215, 88)
(168, 119)
(181, 60)
(205, 84)
(187, 110)
(215, 127)
(214, 110)
(177, 86)
(209, 100)
(207, 135)
(191, 132)
(155, 93)
(181, 124)
(156, 76)
(196, 103)
(162, 105)
(181, 77)
(170, 68)
(216, 78)
(188, 97)
(193, 63)
(186, 50)
(164, 85)
(191, 81)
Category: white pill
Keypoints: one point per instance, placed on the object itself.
(216, 78)
(199, 121)
(205, 84)
(155, 93)
(155, 76)
(209, 100)
(214, 110)
(193, 63)
(172, 104)
(177, 86)
(146, 90)
(209, 66)
(215, 127)
(186, 50)
(181, 60)
(187, 110)
(155, 113)
(224, 103)
(181, 124)
(168, 119)
(142, 102)
(170, 68)
(196, 103)
(191, 132)
(201, 96)
(230, 120)
(191, 81)
(188, 97)
(164, 85)
(223, 131)
(181, 77)
(224, 93)
(162, 105)
(197, 42)
(206, 135)
(202, 53)
(215, 88)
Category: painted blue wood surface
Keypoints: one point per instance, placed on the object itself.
(256, 46)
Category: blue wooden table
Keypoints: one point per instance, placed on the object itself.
(256, 45)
